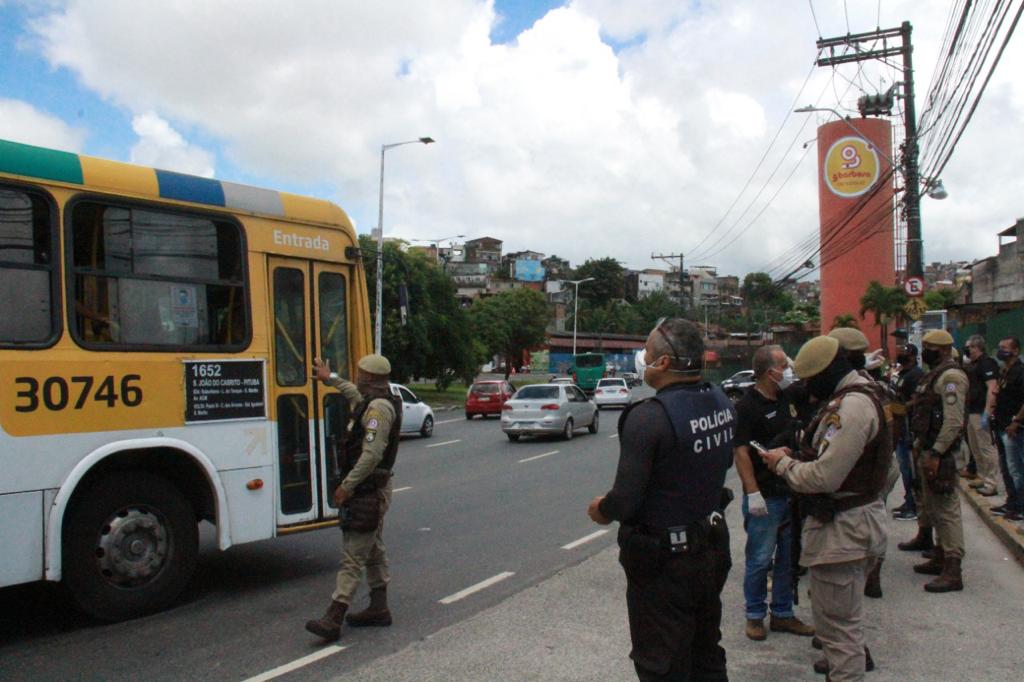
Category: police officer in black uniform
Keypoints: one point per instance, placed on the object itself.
(668, 496)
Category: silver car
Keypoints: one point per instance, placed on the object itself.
(548, 409)
(612, 392)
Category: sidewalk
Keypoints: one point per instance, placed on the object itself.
(1006, 531)
(573, 626)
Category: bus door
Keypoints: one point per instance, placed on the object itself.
(332, 345)
(310, 319)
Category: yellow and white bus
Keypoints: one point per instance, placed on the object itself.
(156, 336)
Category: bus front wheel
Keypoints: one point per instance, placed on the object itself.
(130, 546)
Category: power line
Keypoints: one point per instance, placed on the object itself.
(815, 17)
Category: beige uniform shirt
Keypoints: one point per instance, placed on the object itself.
(952, 386)
(840, 440)
(377, 421)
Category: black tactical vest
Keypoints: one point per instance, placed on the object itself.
(687, 486)
(926, 406)
(354, 439)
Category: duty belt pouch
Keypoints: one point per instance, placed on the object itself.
(945, 478)
(363, 512)
(819, 507)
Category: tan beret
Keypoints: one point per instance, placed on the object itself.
(815, 356)
(938, 337)
(849, 338)
(375, 364)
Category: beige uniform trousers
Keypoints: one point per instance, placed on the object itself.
(363, 552)
(985, 453)
(837, 600)
(943, 513)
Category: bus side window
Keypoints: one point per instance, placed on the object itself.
(156, 277)
(26, 267)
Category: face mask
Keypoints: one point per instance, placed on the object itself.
(787, 379)
(1004, 355)
(821, 386)
(904, 359)
(858, 360)
(931, 357)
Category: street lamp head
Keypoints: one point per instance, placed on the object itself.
(807, 109)
(936, 190)
(427, 140)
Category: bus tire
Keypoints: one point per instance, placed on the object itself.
(131, 542)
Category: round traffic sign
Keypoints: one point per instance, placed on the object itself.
(914, 286)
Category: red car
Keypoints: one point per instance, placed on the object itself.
(487, 397)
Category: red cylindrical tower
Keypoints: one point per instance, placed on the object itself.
(855, 197)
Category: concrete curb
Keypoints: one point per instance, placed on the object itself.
(1005, 530)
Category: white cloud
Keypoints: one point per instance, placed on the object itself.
(161, 146)
(553, 141)
(22, 122)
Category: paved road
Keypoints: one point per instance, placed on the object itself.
(469, 507)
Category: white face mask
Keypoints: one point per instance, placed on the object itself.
(787, 379)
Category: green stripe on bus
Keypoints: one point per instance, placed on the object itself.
(37, 162)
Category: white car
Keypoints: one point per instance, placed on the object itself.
(612, 392)
(417, 417)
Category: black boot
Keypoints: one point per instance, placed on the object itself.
(922, 542)
(329, 625)
(376, 613)
(932, 566)
(873, 584)
(821, 665)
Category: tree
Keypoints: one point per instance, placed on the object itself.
(435, 340)
(845, 320)
(885, 303)
(940, 299)
(609, 281)
(510, 323)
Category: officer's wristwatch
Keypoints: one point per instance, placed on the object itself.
(333, 376)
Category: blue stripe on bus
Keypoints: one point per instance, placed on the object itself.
(190, 188)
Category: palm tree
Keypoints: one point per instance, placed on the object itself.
(885, 303)
(845, 320)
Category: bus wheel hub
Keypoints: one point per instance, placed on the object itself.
(132, 547)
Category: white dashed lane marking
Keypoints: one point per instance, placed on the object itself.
(546, 454)
(585, 539)
(448, 421)
(614, 435)
(297, 663)
(398, 490)
(482, 585)
(447, 442)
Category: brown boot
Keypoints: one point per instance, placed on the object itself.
(951, 579)
(755, 629)
(821, 665)
(873, 584)
(329, 625)
(792, 625)
(932, 566)
(920, 543)
(376, 614)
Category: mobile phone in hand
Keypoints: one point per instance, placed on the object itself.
(757, 446)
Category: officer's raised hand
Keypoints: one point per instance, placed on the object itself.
(321, 369)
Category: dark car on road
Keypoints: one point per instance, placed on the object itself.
(736, 385)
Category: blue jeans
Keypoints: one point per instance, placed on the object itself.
(767, 537)
(1013, 446)
(903, 455)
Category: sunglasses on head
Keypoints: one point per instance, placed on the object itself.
(675, 352)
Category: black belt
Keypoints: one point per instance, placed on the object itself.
(690, 538)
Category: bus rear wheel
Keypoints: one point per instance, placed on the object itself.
(130, 546)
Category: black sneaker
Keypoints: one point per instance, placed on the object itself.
(900, 509)
(1013, 516)
(904, 515)
(999, 511)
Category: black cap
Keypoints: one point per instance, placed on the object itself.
(900, 333)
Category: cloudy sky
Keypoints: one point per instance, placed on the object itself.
(586, 128)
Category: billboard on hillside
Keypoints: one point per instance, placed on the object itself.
(529, 271)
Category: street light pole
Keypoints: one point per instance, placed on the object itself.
(378, 326)
(576, 306)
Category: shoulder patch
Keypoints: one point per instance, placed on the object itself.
(372, 423)
(951, 398)
(950, 388)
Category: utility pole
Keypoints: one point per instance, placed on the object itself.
(668, 258)
(850, 51)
